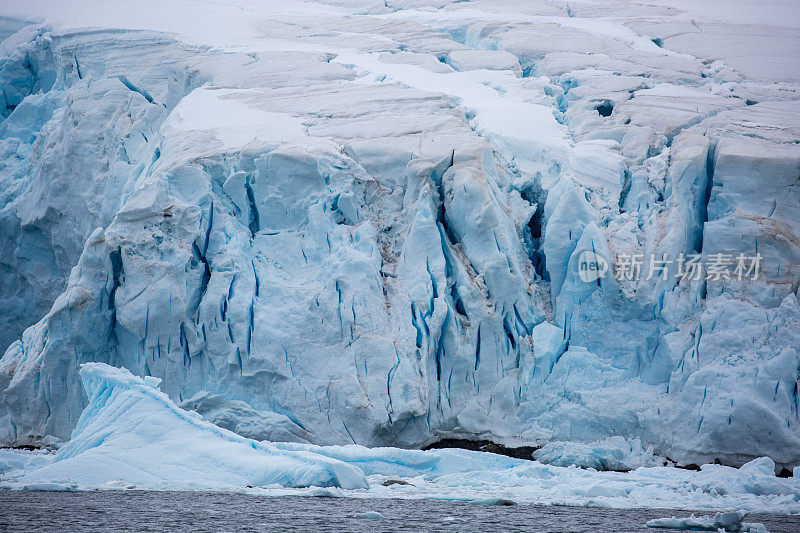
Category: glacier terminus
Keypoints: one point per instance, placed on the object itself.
(299, 242)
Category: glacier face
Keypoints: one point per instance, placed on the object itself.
(353, 223)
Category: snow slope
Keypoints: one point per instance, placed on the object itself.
(361, 222)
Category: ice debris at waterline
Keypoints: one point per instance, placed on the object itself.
(362, 222)
(727, 522)
(131, 435)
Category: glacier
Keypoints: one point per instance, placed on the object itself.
(357, 225)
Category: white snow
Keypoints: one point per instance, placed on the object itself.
(767, 12)
(225, 114)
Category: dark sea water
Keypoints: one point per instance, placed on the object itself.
(200, 512)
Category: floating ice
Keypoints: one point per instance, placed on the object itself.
(727, 522)
(614, 453)
(11, 460)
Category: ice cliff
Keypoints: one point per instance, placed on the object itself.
(362, 222)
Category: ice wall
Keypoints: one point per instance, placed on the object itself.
(320, 235)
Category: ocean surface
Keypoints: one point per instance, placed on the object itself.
(207, 511)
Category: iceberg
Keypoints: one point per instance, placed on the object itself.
(131, 434)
